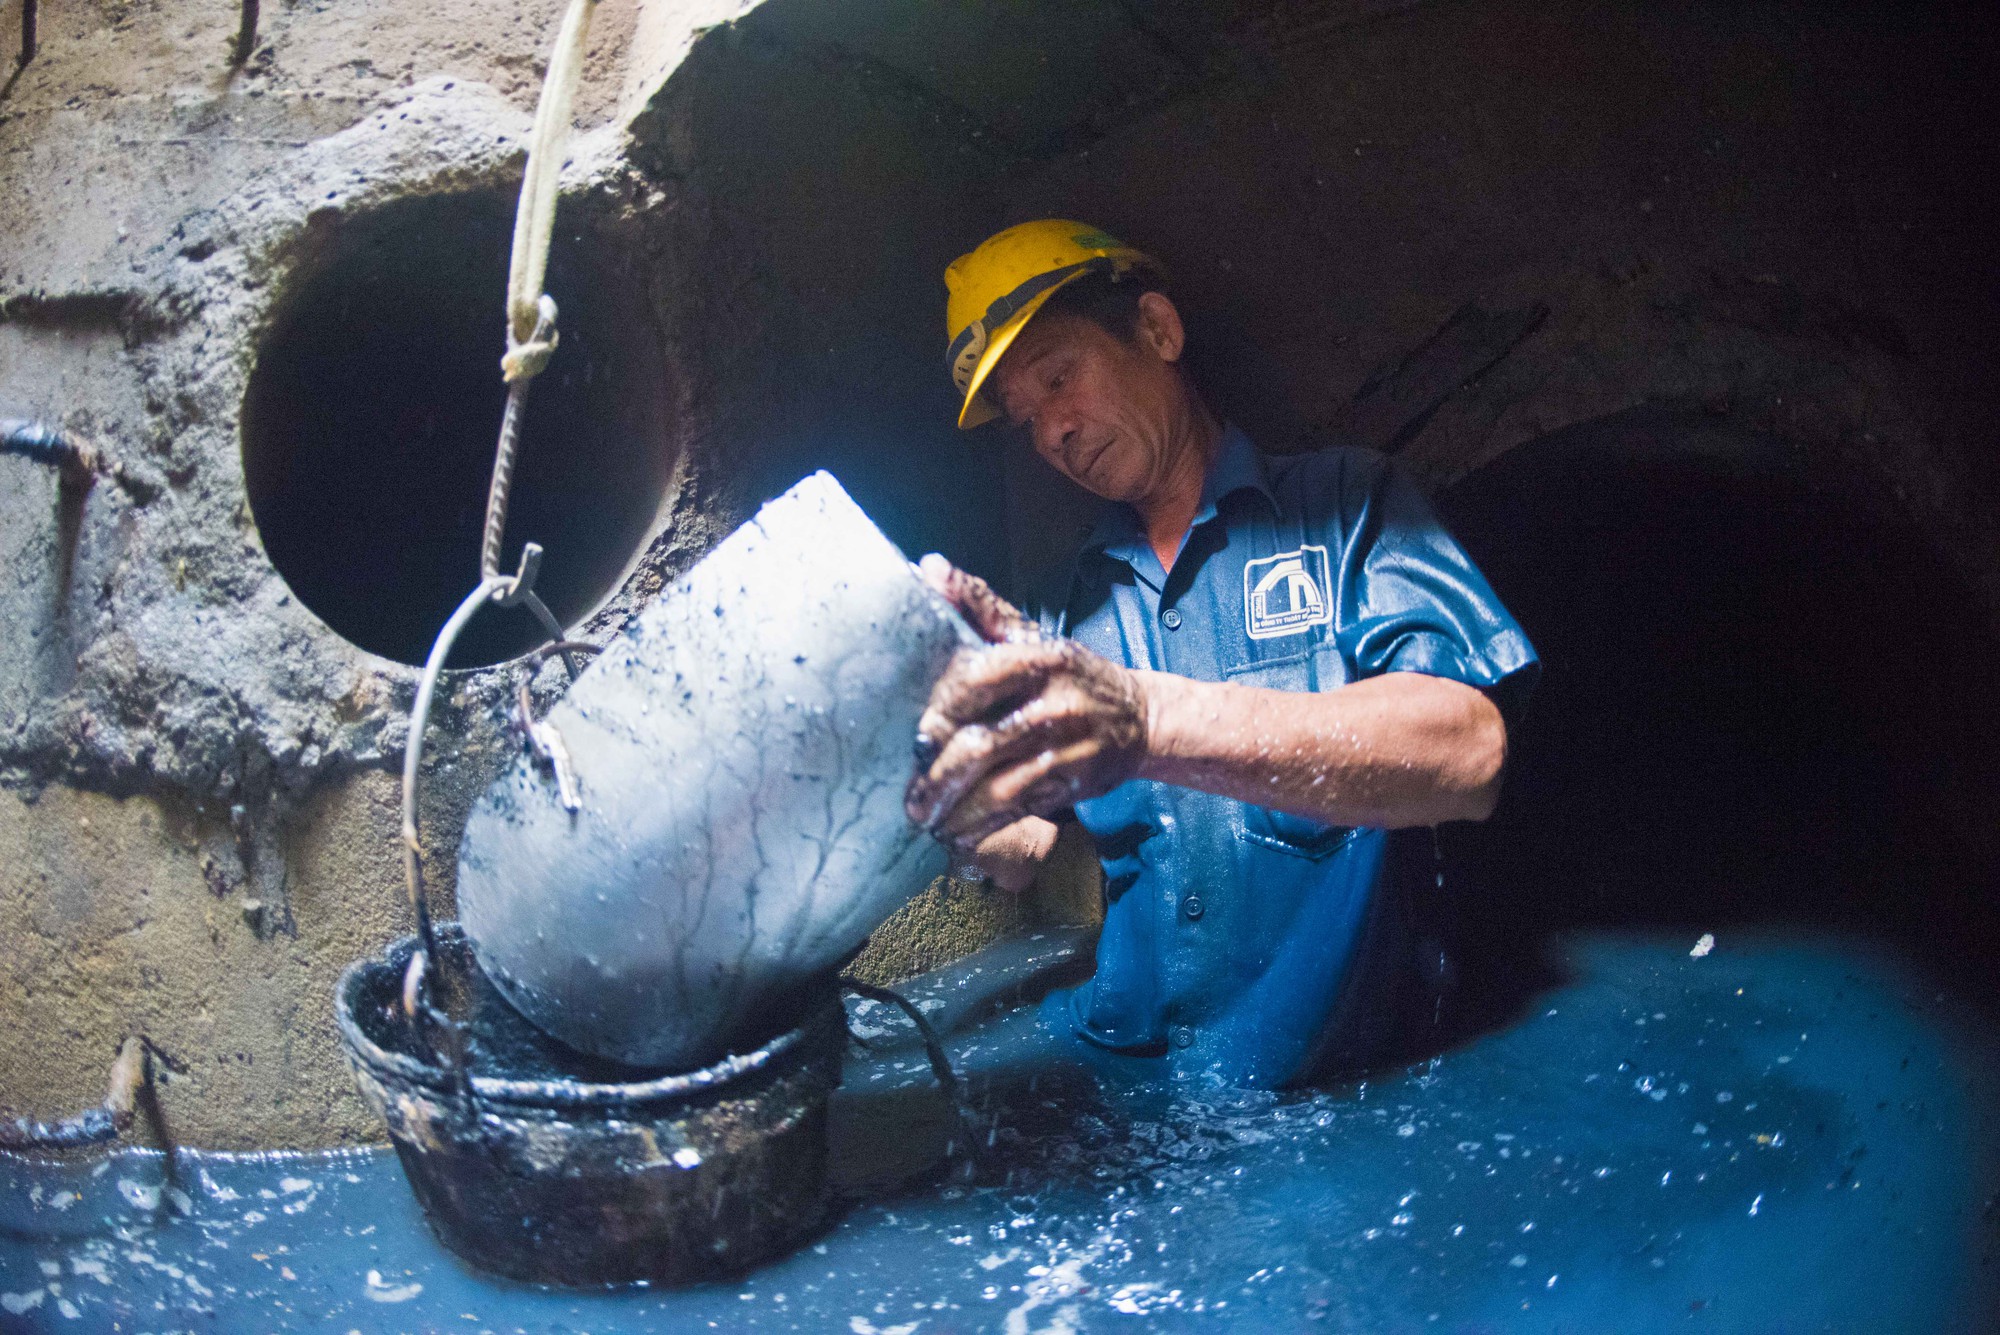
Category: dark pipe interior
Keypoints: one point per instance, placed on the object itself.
(371, 416)
(1763, 700)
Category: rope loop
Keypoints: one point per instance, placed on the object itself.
(526, 359)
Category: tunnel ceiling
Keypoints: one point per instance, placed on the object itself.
(1043, 78)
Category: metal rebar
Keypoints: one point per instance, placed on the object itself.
(542, 738)
(555, 630)
(502, 480)
(246, 32)
(94, 1125)
(48, 445)
(523, 362)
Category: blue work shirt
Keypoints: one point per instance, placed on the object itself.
(1236, 939)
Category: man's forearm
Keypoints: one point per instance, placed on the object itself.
(1395, 750)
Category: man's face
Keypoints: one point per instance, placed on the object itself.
(1101, 410)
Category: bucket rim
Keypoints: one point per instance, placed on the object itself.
(545, 1093)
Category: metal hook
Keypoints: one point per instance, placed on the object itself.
(522, 585)
(520, 591)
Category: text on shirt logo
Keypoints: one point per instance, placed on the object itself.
(1286, 594)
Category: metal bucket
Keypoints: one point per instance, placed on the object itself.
(736, 826)
(556, 1168)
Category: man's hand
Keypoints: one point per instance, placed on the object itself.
(997, 620)
(1024, 727)
(1011, 857)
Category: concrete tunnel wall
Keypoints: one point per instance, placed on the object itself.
(1742, 210)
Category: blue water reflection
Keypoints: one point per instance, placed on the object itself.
(1791, 1133)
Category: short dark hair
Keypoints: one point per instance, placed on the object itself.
(1108, 299)
(1232, 376)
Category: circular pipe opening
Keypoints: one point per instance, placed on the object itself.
(1759, 700)
(372, 411)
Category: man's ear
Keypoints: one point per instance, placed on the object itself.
(1160, 328)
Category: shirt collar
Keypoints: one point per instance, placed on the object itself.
(1237, 466)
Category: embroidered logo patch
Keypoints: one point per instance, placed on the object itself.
(1286, 594)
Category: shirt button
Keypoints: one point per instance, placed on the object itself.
(1171, 618)
(1183, 1036)
(1192, 906)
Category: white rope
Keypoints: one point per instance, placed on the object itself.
(531, 313)
(531, 340)
(535, 220)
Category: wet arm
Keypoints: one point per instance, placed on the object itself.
(1396, 750)
(1029, 725)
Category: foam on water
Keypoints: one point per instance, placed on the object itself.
(1576, 1164)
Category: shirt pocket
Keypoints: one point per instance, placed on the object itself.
(1298, 836)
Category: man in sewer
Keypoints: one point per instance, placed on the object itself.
(1253, 670)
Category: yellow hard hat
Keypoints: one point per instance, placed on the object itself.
(995, 290)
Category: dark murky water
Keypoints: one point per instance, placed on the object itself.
(1791, 1134)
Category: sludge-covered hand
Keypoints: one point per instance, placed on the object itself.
(1025, 726)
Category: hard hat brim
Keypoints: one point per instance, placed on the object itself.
(977, 410)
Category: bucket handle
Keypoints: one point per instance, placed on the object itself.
(506, 591)
(131, 1073)
(934, 1051)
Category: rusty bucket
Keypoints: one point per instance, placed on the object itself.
(539, 1163)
